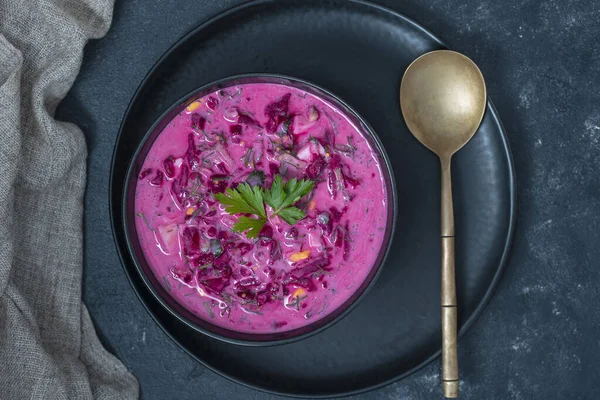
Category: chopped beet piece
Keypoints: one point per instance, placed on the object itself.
(235, 129)
(247, 119)
(262, 298)
(191, 144)
(244, 247)
(269, 272)
(310, 267)
(212, 103)
(229, 245)
(158, 179)
(210, 201)
(246, 294)
(191, 156)
(207, 221)
(334, 161)
(273, 169)
(335, 214)
(278, 108)
(266, 231)
(223, 235)
(218, 183)
(204, 259)
(221, 263)
(223, 168)
(215, 285)
(277, 112)
(169, 167)
(190, 241)
(271, 126)
(184, 177)
(315, 168)
(264, 242)
(211, 232)
(145, 173)
(353, 183)
(198, 122)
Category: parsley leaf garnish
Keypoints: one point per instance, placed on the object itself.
(281, 196)
(246, 199)
(291, 215)
(250, 225)
(275, 196)
(243, 200)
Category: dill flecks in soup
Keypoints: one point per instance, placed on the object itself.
(261, 208)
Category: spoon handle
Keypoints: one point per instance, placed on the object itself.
(449, 336)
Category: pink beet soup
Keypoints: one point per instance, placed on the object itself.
(294, 266)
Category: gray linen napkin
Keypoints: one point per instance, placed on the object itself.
(48, 346)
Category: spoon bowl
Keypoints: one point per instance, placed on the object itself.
(443, 99)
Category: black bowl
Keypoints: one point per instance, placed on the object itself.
(179, 311)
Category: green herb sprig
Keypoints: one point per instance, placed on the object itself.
(246, 199)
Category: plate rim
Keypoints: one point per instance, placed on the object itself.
(506, 253)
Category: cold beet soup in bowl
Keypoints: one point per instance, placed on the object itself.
(259, 209)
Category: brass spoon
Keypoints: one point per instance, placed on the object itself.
(443, 99)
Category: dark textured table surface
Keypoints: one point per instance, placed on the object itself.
(539, 336)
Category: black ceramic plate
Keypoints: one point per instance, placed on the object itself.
(358, 51)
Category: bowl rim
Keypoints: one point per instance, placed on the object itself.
(392, 214)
